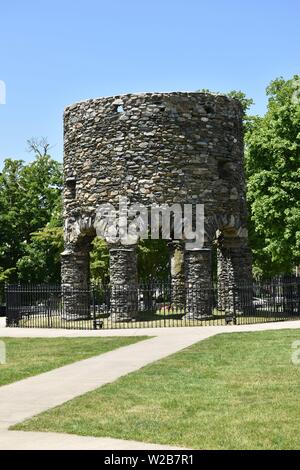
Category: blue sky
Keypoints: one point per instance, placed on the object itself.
(54, 53)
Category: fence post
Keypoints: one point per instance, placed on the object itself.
(48, 299)
(94, 308)
(6, 304)
(235, 294)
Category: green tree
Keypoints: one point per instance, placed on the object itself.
(273, 173)
(30, 195)
(99, 260)
(153, 260)
(41, 262)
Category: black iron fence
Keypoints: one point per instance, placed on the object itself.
(151, 305)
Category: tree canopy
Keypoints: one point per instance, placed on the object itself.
(273, 174)
(29, 198)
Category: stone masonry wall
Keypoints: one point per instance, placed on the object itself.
(155, 148)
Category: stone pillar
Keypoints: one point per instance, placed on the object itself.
(199, 290)
(124, 283)
(177, 274)
(75, 283)
(235, 294)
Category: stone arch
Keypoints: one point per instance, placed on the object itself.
(234, 265)
(226, 234)
(79, 233)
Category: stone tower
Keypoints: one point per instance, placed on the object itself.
(156, 148)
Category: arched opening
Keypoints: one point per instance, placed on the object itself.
(196, 284)
(233, 272)
(153, 259)
(76, 274)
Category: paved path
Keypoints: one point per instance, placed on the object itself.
(201, 332)
(12, 440)
(26, 398)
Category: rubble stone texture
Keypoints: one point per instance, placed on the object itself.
(156, 148)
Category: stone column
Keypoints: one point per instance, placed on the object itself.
(124, 283)
(199, 291)
(75, 283)
(177, 274)
(235, 294)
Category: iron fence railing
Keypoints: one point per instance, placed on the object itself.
(151, 305)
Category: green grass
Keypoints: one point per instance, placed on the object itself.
(31, 356)
(232, 391)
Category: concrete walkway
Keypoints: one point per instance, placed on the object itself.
(200, 332)
(26, 398)
(19, 440)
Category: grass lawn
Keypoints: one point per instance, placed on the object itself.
(32, 356)
(232, 391)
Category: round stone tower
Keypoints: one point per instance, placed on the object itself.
(154, 149)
